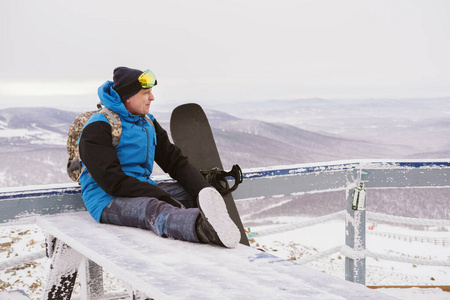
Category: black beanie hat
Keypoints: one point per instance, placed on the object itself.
(126, 82)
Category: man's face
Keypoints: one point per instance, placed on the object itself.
(139, 104)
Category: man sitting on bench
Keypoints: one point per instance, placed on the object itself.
(116, 186)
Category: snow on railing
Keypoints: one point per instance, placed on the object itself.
(412, 238)
(405, 220)
(20, 260)
(350, 253)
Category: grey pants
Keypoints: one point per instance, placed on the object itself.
(158, 216)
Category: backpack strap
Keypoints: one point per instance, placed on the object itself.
(115, 122)
(149, 120)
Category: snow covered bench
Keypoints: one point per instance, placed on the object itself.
(159, 268)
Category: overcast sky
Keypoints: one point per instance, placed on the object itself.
(205, 50)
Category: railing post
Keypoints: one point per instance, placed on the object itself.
(355, 237)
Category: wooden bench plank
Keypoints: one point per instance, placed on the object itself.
(165, 268)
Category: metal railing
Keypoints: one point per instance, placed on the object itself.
(23, 204)
(349, 176)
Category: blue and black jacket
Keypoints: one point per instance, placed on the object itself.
(125, 170)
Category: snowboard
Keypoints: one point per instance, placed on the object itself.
(191, 132)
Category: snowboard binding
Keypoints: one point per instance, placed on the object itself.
(218, 179)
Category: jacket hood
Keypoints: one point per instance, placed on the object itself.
(111, 99)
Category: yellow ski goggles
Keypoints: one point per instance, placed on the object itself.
(147, 79)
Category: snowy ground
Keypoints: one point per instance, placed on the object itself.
(297, 244)
(306, 242)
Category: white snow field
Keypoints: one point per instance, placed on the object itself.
(301, 244)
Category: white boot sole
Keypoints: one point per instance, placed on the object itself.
(213, 207)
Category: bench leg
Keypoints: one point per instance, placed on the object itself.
(91, 280)
(135, 294)
(63, 272)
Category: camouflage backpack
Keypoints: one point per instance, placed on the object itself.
(74, 162)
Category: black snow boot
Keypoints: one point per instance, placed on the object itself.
(214, 225)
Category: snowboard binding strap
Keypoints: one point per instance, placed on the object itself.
(218, 179)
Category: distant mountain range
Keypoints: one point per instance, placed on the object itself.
(420, 126)
(31, 128)
(33, 140)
